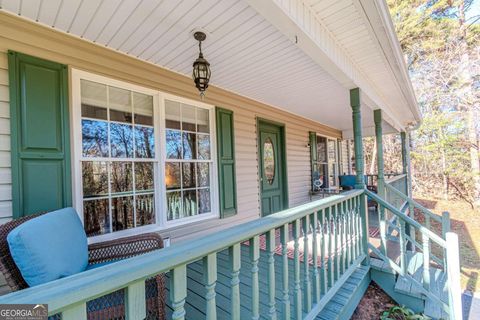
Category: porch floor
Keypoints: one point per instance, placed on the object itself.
(195, 302)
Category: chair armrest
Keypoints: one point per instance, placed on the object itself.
(123, 248)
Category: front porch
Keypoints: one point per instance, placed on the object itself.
(96, 121)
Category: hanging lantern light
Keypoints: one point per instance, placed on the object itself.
(201, 67)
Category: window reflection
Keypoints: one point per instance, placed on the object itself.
(96, 217)
(189, 145)
(144, 142)
(94, 179)
(145, 209)
(94, 138)
(174, 144)
(122, 213)
(121, 140)
(121, 177)
(144, 176)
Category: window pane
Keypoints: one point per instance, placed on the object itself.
(94, 179)
(174, 205)
(203, 124)
(94, 99)
(204, 205)
(122, 213)
(96, 217)
(332, 154)
(188, 174)
(203, 147)
(94, 138)
(188, 118)
(203, 174)
(121, 140)
(174, 144)
(143, 176)
(143, 109)
(172, 175)
(120, 105)
(144, 142)
(189, 145)
(189, 203)
(145, 209)
(121, 177)
(172, 114)
(322, 149)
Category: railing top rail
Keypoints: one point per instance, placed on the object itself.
(407, 219)
(61, 293)
(395, 178)
(414, 203)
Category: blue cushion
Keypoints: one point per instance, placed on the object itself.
(49, 247)
(347, 181)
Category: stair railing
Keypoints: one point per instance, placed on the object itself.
(452, 265)
(334, 228)
(444, 220)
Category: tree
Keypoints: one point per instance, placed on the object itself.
(442, 50)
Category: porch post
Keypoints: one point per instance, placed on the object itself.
(405, 136)
(359, 167)
(357, 137)
(377, 116)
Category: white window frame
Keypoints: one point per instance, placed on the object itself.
(337, 164)
(161, 223)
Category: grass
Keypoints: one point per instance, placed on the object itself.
(465, 221)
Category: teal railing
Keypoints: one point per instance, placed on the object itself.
(448, 241)
(334, 230)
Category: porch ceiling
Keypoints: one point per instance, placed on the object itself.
(248, 54)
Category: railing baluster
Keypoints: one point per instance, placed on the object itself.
(284, 237)
(271, 273)
(347, 234)
(329, 226)
(342, 239)
(335, 245)
(254, 257)
(359, 228)
(210, 280)
(351, 232)
(403, 253)
(135, 297)
(316, 276)
(78, 311)
(296, 260)
(426, 261)
(235, 260)
(323, 240)
(178, 291)
(445, 229)
(307, 287)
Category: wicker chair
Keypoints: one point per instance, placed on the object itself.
(111, 306)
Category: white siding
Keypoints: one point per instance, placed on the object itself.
(5, 167)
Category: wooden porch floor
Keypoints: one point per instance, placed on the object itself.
(195, 302)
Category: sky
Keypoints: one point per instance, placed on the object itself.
(474, 11)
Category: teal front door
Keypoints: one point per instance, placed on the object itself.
(272, 164)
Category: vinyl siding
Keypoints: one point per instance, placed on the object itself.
(48, 44)
(5, 167)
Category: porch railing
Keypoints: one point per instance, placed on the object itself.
(333, 232)
(447, 241)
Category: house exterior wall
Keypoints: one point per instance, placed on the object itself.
(5, 167)
(25, 37)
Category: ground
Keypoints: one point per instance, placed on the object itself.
(373, 303)
(465, 221)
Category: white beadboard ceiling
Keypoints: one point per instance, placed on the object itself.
(248, 55)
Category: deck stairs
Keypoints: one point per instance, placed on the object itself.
(408, 293)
